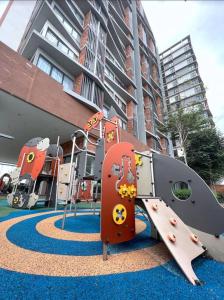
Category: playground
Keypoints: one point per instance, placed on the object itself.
(141, 269)
(116, 231)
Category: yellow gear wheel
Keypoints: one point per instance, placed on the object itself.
(16, 200)
(138, 160)
(30, 157)
(110, 136)
(119, 214)
(132, 191)
(123, 190)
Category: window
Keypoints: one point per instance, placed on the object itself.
(87, 86)
(59, 44)
(109, 73)
(67, 83)
(123, 124)
(68, 26)
(44, 65)
(105, 111)
(193, 74)
(57, 75)
(54, 72)
(77, 13)
(62, 47)
(51, 37)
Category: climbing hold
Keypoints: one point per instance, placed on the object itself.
(30, 157)
(194, 238)
(119, 214)
(132, 191)
(155, 207)
(171, 237)
(138, 160)
(173, 221)
(123, 191)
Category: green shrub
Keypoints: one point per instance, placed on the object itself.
(219, 196)
(182, 194)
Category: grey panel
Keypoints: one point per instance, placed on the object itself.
(82, 158)
(53, 150)
(201, 210)
(99, 159)
(33, 142)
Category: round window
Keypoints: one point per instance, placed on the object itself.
(181, 190)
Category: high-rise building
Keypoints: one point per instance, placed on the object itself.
(80, 57)
(183, 86)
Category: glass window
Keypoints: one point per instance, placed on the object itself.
(62, 47)
(44, 65)
(56, 74)
(105, 112)
(70, 53)
(75, 34)
(67, 83)
(58, 13)
(51, 37)
(68, 27)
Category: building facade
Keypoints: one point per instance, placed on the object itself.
(101, 52)
(183, 86)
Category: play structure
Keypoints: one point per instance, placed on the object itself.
(121, 178)
(34, 178)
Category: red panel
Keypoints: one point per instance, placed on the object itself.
(33, 167)
(93, 121)
(85, 190)
(118, 169)
(111, 133)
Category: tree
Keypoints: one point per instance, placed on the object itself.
(205, 154)
(181, 123)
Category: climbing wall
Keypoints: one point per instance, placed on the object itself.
(181, 242)
(118, 194)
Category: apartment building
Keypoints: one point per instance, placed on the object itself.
(183, 86)
(99, 53)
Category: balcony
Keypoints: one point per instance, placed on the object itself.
(120, 90)
(114, 49)
(119, 20)
(45, 14)
(119, 73)
(68, 9)
(36, 40)
(110, 101)
(115, 37)
(122, 35)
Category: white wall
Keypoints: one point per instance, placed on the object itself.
(15, 22)
(5, 169)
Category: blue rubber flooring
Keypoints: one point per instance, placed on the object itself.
(163, 282)
(24, 235)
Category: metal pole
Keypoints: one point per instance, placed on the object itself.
(52, 182)
(105, 247)
(64, 217)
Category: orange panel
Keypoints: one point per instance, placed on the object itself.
(93, 121)
(33, 161)
(118, 200)
(111, 133)
(85, 190)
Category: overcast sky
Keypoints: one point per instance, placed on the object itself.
(204, 21)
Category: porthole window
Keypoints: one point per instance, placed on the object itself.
(181, 190)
